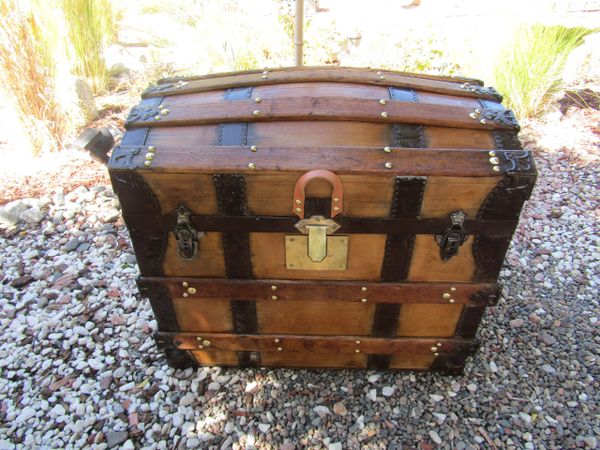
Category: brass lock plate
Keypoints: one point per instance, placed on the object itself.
(297, 253)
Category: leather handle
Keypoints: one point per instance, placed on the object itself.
(337, 194)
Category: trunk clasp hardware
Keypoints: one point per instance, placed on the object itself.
(186, 235)
(453, 237)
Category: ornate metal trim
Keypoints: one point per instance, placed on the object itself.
(481, 90)
(504, 118)
(186, 234)
(515, 161)
(176, 358)
(123, 156)
(454, 236)
(488, 296)
(159, 88)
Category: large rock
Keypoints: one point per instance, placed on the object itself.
(32, 215)
(11, 212)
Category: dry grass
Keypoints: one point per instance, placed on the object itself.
(28, 75)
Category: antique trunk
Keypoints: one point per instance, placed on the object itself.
(320, 217)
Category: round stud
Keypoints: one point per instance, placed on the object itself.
(147, 163)
(165, 111)
(496, 168)
(185, 294)
(364, 300)
(198, 338)
(446, 296)
(298, 201)
(151, 148)
(473, 115)
(149, 156)
(483, 121)
(257, 99)
(384, 114)
(279, 349)
(453, 289)
(192, 290)
(206, 343)
(388, 165)
(478, 111)
(381, 77)
(336, 208)
(266, 72)
(336, 200)
(434, 349)
(494, 160)
(200, 346)
(492, 153)
(251, 166)
(298, 210)
(436, 354)
(157, 117)
(256, 112)
(379, 72)
(264, 77)
(253, 148)
(451, 300)
(387, 149)
(161, 106)
(277, 340)
(383, 101)
(273, 288)
(439, 344)
(357, 350)
(364, 289)
(357, 342)
(273, 297)
(185, 284)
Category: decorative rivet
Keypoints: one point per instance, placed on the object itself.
(279, 349)
(357, 350)
(185, 294)
(256, 112)
(200, 346)
(185, 284)
(192, 290)
(151, 148)
(264, 77)
(198, 338)
(265, 72)
(473, 115)
(387, 149)
(364, 300)
(379, 72)
(147, 163)
(251, 166)
(277, 340)
(383, 101)
(161, 106)
(273, 288)
(357, 342)
(439, 344)
(434, 349)
(253, 148)
(446, 296)
(183, 83)
(492, 153)
(273, 297)
(165, 111)
(257, 99)
(336, 200)
(388, 165)
(157, 117)
(453, 289)
(384, 114)
(364, 289)
(494, 160)
(451, 300)
(483, 121)
(149, 156)
(298, 201)
(436, 354)
(206, 343)
(496, 168)
(478, 111)
(298, 209)
(336, 208)
(381, 77)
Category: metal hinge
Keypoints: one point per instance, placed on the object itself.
(186, 235)
(454, 236)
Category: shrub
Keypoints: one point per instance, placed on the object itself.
(530, 69)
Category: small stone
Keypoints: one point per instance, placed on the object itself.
(441, 418)
(321, 410)
(21, 281)
(177, 420)
(436, 398)
(264, 427)
(71, 245)
(340, 409)
(516, 323)
(187, 399)
(493, 367)
(388, 391)
(525, 417)
(32, 215)
(26, 414)
(193, 443)
(83, 247)
(334, 446)
(372, 394)
(590, 441)
(114, 438)
(128, 445)
(471, 387)
(374, 378)
(547, 339)
(251, 387)
(435, 437)
(548, 369)
(214, 386)
(119, 372)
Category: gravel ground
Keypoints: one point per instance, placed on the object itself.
(79, 368)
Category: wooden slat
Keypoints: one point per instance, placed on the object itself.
(451, 79)
(327, 291)
(316, 109)
(315, 344)
(347, 160)
(369, 76)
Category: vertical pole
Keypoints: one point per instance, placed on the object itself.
(299, 31)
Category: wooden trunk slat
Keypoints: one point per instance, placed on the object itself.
(452, 79)
(318, 109)
(358, 76)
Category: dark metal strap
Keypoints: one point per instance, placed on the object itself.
(469, 321)
(403, 134)
(161, 303)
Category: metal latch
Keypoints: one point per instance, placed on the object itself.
(186, 235)
(453, 237)
(317, 228)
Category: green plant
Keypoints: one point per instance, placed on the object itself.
(90, 26)
(530, 69)
(28, 75)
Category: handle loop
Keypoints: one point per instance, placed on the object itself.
(337, 193)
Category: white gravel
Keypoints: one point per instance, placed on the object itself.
(79, 368)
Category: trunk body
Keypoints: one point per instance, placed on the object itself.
(315, 217)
